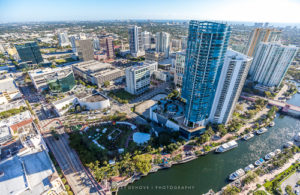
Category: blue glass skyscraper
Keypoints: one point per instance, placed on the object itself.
(29, 52)
(206, 48)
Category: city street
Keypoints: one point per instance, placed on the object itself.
(79, 179)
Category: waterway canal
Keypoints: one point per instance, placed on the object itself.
(211, 171)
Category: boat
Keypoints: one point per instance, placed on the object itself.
(288, 144)
(248, 136)
(272, 124)
(249, 168)
(270, 155)
(261, 131)
(227, 146)
(237, 174)
(277, 151)
(297, 137)
(259, 162)
(298, 91)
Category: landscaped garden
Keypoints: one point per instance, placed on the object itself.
(121, 96)
(273, 187)
(12, 112)
(108, 149)
(101, 141)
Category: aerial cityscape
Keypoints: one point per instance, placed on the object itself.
(149, 98)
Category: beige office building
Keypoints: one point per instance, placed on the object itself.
(85, 49)
(96, 72)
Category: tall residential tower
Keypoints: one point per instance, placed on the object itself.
(109, 47)
(146, 37)
(163, 43)
(231, 82)
(260, 35)
(206, 48)
(63, 39)
(135, 41)
(270, 63)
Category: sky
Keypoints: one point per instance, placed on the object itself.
(281, 11)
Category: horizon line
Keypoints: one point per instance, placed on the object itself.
(97, 20)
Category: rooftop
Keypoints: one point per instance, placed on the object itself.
(32, 168)
(94, 98)
(11, 105)
(96, 68)
(138, 67)
(16, 118)
(234, 55)
(4, 133)
(165, 62)
(91, 66)
(7, 84)
(45, 71)
(106, 72)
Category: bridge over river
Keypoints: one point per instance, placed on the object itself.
(284, 106)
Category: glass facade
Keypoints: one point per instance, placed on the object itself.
(30, 52)
(62, 85)
(206, 48)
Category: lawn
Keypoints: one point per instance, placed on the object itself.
(60, 61)
(121, 96)
(118, 133)
(63, 60)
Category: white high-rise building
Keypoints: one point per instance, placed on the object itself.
(96, 44)
(138, 77)
(73, 44)
(63, 39)
(271, 62)
(179, 68)
(259, 35)
(231, 82)
(146, 37)
(135, 41)
(163, 43)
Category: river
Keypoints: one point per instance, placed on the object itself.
(211, 171)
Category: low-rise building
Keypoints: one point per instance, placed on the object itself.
(56, 79)
(96, 72)
(162, 75)
(5, 134)
(14, 126)
(8, 89)
(86, 99)
(152, 55)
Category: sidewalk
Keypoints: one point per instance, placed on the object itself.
(269, 176)
(250, 122)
